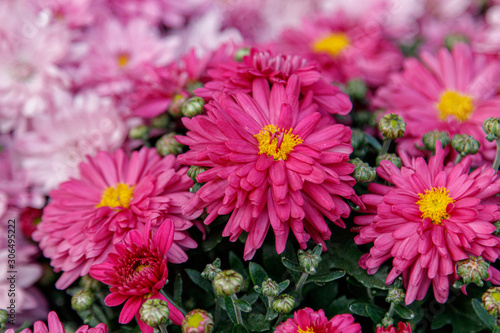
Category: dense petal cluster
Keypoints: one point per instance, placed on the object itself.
(402, 328)
(55, 326)
(432, 217)
(115, 194)
(308, 320)
(137, 272)
(273, 162)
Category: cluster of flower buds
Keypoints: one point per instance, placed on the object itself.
(140, 132)
(393, 158)
(395, 295)
(167, 145)
(473, 270)
(309, 260)
(211, 270)
(363, 172)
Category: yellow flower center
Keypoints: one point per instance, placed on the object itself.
(496, 296)
(122, 60)
(308, 330)
(332, 44)
(455, 104)
(195, 320)
(433, 204)
(277, 142)
(118, 196)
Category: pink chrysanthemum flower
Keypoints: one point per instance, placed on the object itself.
(402, 328)
(432, 217)
(344, 48)
(307, 320)
(137, 272)
(55, 326)
(273, 163)
(231, 77)
(88, 216)
(452, 91)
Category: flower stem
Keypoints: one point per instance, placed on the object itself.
(390, 313)
(385, 146)
(280, 318)
(458, 159)
(269, 306)
(163, 328)
(496, 164)
(172, 302)
(300, 284)
(237, 311)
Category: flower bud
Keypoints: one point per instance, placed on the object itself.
(194, 171)
(227, 283)
(387, 321)
(474, 269)
(270, 288)
(89, 283)
(193, 107)
(168, 145)
(198, 321)
(154, 312)
(497, 225)
(392, 126)
(491, 301)
(210, 272)
(4, 317)
(356, 88)
(175, 108)
(395, 296)
(454, 38)
(161, 121)
(363, 172)
(241, 53)
(308, 261)
(358, 139)
(139, 132)
(429, 139)
(283, 304)
(195, 187)
(491, 127)
(465, 144)
(82, 300)
(393, 158)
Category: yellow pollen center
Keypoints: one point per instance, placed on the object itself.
(277, 142)
(455, 104)
(496, 296)
(433, 204)
(308, 330)
(118, 196)
(140, 268)
(195, 320)
(122, 60)
(332, 44)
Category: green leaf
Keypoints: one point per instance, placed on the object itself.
(283, 285)
(324, 278)
(460, 314)
(257, 273)
(242, 305)
(404, 312)
(291, 265)
(236, 264)
(359, 309)
(373, 142)
(496, 330)
(271, 314)
(251, 297)
(375, 313)
(178, 290)
(201, 282)
(340, 305)
(238, 328)
(258, 323)
(229, 307)
(481, 312)
(211, 242)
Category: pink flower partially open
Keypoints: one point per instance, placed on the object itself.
(432, 217)
(55, 326)
(115, 194)
(308, 320)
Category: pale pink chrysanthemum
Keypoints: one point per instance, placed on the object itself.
(75, 14)
(55, 326)
(344, 48)
(114, 194)
(433, 217)
(308, 320)
(451, 91)
(231, 77)
(272, 162)
(138, 272)
(80, 126)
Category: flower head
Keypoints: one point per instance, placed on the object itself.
(433, 217)
(402, 328)
(137, 272)
(55, 326)
(198, 321)
(115, 194)
(308, 321)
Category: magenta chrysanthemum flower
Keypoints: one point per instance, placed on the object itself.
(55, 326)
(273, 163)
(452, 91)
(307, 320)
(114, 194)
(231, 77)
(137, 272)
(432, 217)
(402, 328)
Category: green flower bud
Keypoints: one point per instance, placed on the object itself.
(270, 288)
(453, 39)
(429, 139)
(198, 321)
(363, 172)
(82, 300)
(193, 107)
(4, 317)
(191, 86)
(392, 126)
(89, 283)
(195, 187)
(241, 53)
(387, 321)
(161, 121)
(308, 261)
(139, 133)
(465, 144)
(474, 269)
(491, 127)
(356, 88)
(211, 270)
(283, 304)
(497, 225)
(194, 171)
(491, 301)
(358, 139)
(395, 296)
(175, 108)
(154, 312)
(227, 283)
(168, 145)
(393, 158)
